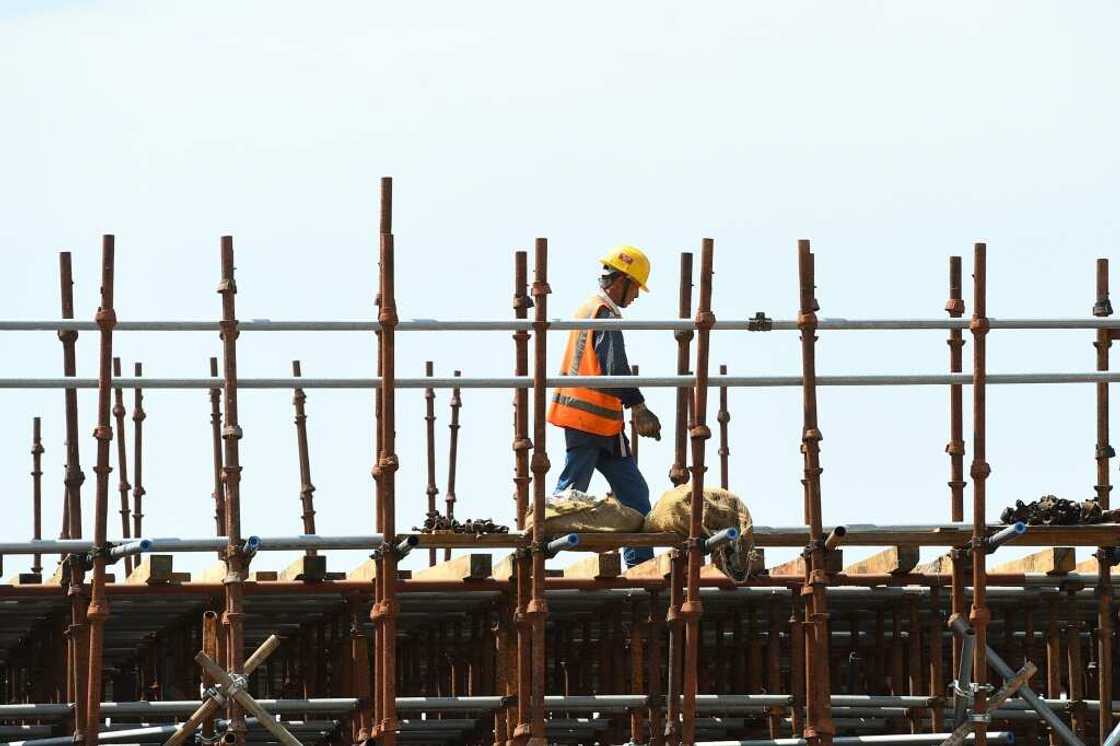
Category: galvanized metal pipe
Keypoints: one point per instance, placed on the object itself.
(905, 739)
(98, 610)
(501, 325)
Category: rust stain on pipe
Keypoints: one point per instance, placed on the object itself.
(819, 728)
(452, 454)
(521, 442)
(678, 474)
(37, 490)
(98, 611)
(122, 460)
(138, 492)
(219, 494)
(979, 616)
(306, 488)
(1103, 307)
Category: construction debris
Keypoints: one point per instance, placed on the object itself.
(437, 523)
(1058, 511)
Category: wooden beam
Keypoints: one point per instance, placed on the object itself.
(606, 565)
(264, 576)
(307, 569)
(464, 567)
(659, 568)
(833, 562)
(892, 560)
(943, 565)
(152, 570)
(1051, 561)
(1087, 567)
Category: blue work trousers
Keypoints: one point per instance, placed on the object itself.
(626, 482)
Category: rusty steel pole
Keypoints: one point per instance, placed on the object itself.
(955, 447)
(98, 611)
(210, 647)
(723, 417)
(819, 728)
(138, 490)
(216, 448)
(537, 610)
(236, 561)
(675, 623)
(453, 454)
(77, 636)
(979, 615)
(521, 441)
(37, 490)
(122, 460)
(692, 609)
(678, 474)
(1102, 308)
(430, 441)
(306, 488)
(385, 613)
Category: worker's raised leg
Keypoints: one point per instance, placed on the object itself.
(579, 465)
(629, 486)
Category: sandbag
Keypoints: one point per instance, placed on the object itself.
(576, 512)
(722, 509)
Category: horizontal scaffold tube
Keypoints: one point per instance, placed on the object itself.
(910, 739)
(503, 325)
(208, 544)
(602, 382)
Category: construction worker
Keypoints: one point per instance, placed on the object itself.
(593, 418)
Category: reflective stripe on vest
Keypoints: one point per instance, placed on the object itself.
(585, 409)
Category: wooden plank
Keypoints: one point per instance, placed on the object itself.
(264, 576)
(1087, 567)
(892, 560)
(606, 565)
(464, 567)
(152, 570)
(833, 562)
(943, 565)
(215, 573)
(1051, 561)
(306, 569)
(26, 578)
(367, 571)
(657, 568)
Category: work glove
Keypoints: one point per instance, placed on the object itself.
(646, 421)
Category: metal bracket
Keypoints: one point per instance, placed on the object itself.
(760, 322)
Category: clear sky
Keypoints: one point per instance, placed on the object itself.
(891, 134)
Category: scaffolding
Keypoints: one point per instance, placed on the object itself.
(471, 651)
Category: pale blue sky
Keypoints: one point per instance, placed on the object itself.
(891, 134)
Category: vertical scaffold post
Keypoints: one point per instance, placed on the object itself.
(219, 493)
(210, 647)
(430, 441)
(452, 454)
(359, 656)
(236, 560)
(37, 489)
(77, 634)
(1102, 308)
(521, 442)
(818, 727)
(678, 474)
(98, 611)
(306, 488)
(537, 610)
(979, 615)
(122, 460)
(384, 231)
(388, 464)
(692, 609)
(138, 491)
(634, 425)
(955, 447)
(723, 417)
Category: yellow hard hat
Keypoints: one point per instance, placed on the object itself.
(630, 261)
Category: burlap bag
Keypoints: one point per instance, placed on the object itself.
(722, 509)
(577, 513)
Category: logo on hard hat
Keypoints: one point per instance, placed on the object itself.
(625, 258)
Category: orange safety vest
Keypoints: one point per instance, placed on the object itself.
(587, 410)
